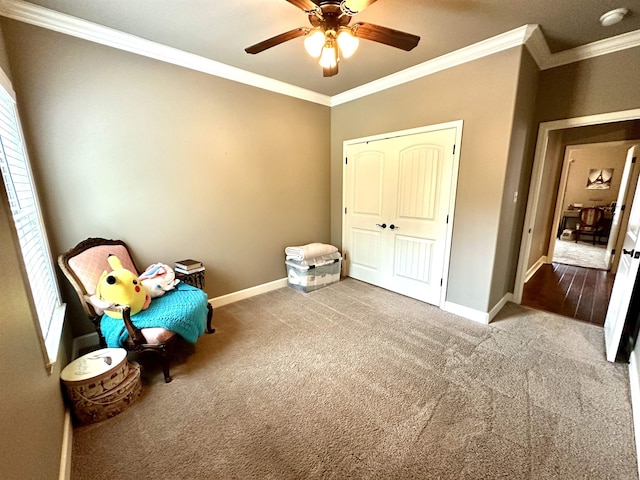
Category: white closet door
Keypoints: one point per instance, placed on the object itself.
(397, 201)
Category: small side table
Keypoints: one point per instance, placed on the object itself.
(195, 279)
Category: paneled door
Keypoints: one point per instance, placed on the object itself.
(620, 214)
(623, 285)
(397, 202)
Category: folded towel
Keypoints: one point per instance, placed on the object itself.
(315, 262)
(311, 250)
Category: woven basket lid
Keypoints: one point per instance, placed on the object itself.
(93, 364)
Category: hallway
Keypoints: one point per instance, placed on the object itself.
(576, 292)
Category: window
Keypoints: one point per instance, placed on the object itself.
(23, 201)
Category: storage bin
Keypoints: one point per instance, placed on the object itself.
(306, 277)
(101, 384)
(568, 234)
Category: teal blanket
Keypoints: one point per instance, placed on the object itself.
(182, 310)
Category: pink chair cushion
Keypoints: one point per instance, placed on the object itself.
(90, 264)
(157, 335)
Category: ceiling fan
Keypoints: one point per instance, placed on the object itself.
(331, 36)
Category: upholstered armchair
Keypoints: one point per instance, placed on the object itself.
(183, 311)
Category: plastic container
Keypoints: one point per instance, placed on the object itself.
(307, 278)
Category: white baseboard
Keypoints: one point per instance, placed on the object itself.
(67, 444)
(503, 301)
(634, 384)
(477, 315)
(247, 293)
(466, 312)
(534, 268)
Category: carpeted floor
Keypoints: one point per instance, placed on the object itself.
(581, 254)
(352, 381)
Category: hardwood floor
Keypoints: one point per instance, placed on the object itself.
(576, 292)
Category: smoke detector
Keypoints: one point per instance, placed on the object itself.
(613, 17)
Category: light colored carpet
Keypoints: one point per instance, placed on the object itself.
(582, 254)
(352, 381)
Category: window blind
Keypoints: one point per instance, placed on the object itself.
(23, 201)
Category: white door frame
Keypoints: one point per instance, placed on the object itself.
(457, 124)
(561, 205)
(536, 180)
(557, 217)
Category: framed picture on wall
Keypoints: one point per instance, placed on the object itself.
(599, 178)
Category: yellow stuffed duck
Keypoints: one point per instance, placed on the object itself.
(120, 287)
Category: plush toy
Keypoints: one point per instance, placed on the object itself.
(158, 278)
(121, 287)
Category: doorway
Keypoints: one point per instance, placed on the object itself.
(399, 194)
(612, 162)
(542, 218)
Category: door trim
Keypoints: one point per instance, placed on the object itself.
(457, 124)
(545, 129)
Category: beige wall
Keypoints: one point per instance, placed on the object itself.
(516, 185)
(175, 162)
(31, 405)
(608, 83)
(481, 93)
(583, 160)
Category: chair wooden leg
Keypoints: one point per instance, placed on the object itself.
(164, 354)
(210, 329)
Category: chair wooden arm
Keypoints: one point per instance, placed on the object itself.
(134, 332)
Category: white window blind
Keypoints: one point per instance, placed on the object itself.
(23, 201)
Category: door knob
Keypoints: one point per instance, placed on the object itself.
(394, 227)
(383, 225)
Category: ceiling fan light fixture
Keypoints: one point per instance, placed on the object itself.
(352, 7)
(347, 42)
(314, 42)
(329, 56)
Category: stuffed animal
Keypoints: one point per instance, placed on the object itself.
(158, 278)
(121, 287)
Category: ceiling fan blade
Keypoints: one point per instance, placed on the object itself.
(330, 71)
(352, 7)
(306, 5)
(277, 40)
(388, 36)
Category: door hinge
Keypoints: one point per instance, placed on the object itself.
(345, 210)
(622, 208)
(613, 251)
(447, 219)
(454, 149)
(441, 282)
(346, 160)
(633, 160)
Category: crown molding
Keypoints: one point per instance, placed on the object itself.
(478, 50)
(537, 46)
(50, 19)
(591, 50)
(529, 35)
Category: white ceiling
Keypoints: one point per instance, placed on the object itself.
(220, 30)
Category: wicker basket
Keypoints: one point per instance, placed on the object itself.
(101, 384)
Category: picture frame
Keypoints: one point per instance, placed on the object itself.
(599, 178)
